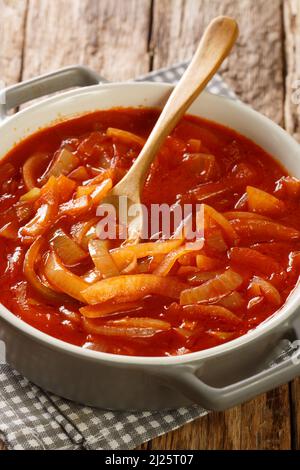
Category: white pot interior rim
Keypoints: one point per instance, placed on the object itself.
(63, 106)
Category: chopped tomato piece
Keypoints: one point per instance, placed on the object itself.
(66, 188)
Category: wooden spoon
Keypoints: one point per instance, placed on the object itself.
(215, 45)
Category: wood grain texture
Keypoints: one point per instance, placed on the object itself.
(12, 24)
(109, 36)
(254, 68)
(214, 431)
(292, 51)
(292, 122)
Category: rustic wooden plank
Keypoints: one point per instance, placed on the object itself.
(215, 431)
(110, 36)
(12, 24)
(254, 64)
(292, 50)
(292, 124)
(255, 70)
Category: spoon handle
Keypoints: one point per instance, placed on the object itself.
(214, 47)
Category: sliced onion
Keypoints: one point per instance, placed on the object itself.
(166, 265)
(101, 191)
(91, 276)
(254, 260)
(76, 207)
(263, 203)
(231, 215)
(131, 267)
(142, 250)
(46, 213)
(259, 286)
(31, 196)
(264, 230)
(132, 287)
(31, 258)
(102, 259)
(10, 230)
(79, 174)
(134, 327)
(213, 289)
(222, 222)
(64, 162)
(81, 231)
(233, 301)
(194, 311)
(63, 279)
(206, 263)
(125, 136)
(222, 335)
(67, 250)
(200, 277)
(31, 168)
(105, 310)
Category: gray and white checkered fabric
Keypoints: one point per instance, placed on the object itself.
(172, 74)
(30, 418)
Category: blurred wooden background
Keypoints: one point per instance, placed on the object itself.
(122, 39)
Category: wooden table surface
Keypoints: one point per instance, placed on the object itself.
(121, 39)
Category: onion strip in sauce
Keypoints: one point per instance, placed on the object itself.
(63, 279)
(133, 287)
(31, 258)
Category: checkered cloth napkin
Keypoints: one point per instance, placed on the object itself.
(31, 418)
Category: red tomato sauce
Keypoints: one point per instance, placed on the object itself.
(201, 162)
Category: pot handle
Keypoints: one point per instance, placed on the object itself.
(219, 399)
(67, 77)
